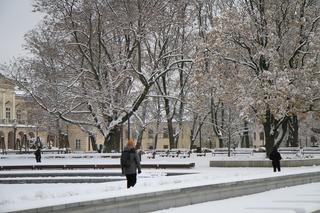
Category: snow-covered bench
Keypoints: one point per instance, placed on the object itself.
(221, 151)
(162, 152)
(310, 151)
(184, 154)
(151, 155)
(243, 151)
(290, 151)
(201, 154)
(173, 153)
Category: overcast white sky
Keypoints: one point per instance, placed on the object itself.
(16, 19)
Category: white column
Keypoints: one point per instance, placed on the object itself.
(3, 105)
(13, 105)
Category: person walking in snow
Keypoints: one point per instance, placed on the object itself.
(37, 153)
(130, 163)
(275, 157)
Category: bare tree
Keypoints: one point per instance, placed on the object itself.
(273, 49)
(88, 60)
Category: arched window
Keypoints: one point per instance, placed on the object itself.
(19, 114)
(78, 144)
(8, 113)
(261, 136)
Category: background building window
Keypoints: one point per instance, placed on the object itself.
(261, 136)
(78, 144)
(254, 136)
(8, 113)
(19, 114)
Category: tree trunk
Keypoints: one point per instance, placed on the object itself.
(293, 131)
(195, 131)
(181, 109)
(113, 141)
(269, 135)
(222, 126)
(214, 121)
(170, 133)
(283, 132)
(195, 117)
(168, 116)
(271, 126)
(93, 142)
(142, 127)
(191, 139)
(157, 124)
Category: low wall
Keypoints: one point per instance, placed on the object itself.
(96, 166)
(263, 163)
(153, 201)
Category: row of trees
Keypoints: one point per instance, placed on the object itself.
(228, 63)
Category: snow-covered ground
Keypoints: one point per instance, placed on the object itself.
(303, 198)
(23, 196)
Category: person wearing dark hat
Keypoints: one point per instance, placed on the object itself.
(275, 156)
(130, 163)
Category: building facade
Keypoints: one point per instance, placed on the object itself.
(15, 127)
(258, 136)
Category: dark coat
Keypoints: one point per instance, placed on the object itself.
(134, 161)
(37, 153)
(275, 155)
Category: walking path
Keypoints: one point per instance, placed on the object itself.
(163, 199)
(151, 183)
(298, 199)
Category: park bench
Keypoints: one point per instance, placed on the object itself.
(151, 155)
(185, 154)
(243, 151)
(290, 151)
(31, 151)
(17, 152)
(70, 155)
(163, 155)
(162, 152)
(222, 151)
(53, 151)
(157, 152)
(173, 153)
(306, 151)
(201, 154)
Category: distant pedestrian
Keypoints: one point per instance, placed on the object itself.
(130, 163)
(37, 153)
(139, 151)
(275, 157)
(38, 142)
